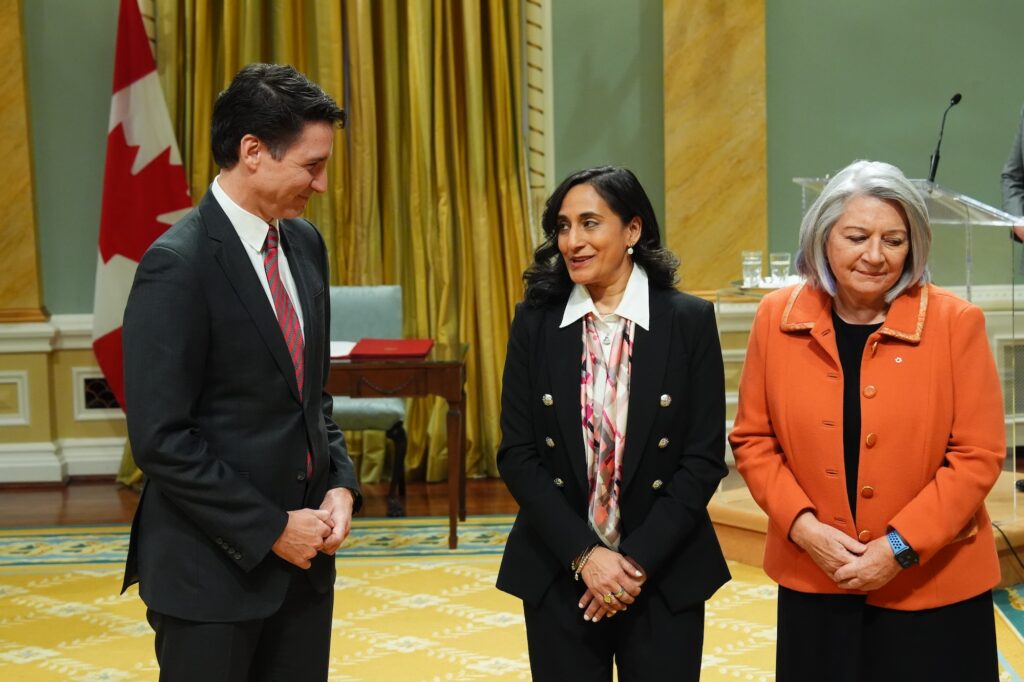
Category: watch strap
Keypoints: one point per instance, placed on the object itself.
(904, 553)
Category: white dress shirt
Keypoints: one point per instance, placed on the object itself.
(252, 230)
(635, 305)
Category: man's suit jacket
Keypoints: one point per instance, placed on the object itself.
(216, 421)
(674, 456)
(1013, 174)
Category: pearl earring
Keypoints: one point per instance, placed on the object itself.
(630, 251)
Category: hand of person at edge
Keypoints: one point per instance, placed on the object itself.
(871, 570)
(829, 547)
(607, 572)
(338, 503)
(303, 536)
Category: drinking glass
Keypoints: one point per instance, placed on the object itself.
(778, 263)
(751, 269)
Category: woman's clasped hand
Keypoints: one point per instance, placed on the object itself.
(613, 583)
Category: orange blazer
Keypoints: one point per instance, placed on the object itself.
(932, 439)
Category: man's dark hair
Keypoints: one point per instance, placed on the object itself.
(274, 102)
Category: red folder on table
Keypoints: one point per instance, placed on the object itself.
(391, 348)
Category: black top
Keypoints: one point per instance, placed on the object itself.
(850, 338)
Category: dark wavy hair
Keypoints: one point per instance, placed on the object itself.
(547, 278)
(274, 102)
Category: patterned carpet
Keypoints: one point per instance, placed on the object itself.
(406, 609)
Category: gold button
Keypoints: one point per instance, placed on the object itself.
(867, 492)
(550, 441)
(657, 484)
(560, 483)
(864, 535)
(870, 391)
(547, 399)
(870, 440)
(663, 443)
(666, 400)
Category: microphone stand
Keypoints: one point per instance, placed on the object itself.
(933, 162)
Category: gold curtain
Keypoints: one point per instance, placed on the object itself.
(428, 185)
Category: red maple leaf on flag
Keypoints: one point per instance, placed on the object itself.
(132, 203)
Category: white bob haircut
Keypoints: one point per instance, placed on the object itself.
(864, 179)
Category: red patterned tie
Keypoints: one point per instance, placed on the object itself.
(286, 316)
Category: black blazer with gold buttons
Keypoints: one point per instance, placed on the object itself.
(674, 457)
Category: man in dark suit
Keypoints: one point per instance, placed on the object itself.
(1013, 180)
(250, 488)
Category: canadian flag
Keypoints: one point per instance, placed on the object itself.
(144, 186)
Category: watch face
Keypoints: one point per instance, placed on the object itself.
(907, 558)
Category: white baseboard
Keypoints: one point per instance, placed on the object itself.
(91, 456)
(31, 463)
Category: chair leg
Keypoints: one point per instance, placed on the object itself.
(396, 491)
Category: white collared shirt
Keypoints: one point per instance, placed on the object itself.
(252, 230)
(635, 305)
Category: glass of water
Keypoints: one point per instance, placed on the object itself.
(778, 262)
(751, 269)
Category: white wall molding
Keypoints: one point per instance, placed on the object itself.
(735, 317)
(72, 332)
(984, 295)
(91, 456)
(23, 416)
(31, 463)
(61, 332)
(734, 354)
(26, 337)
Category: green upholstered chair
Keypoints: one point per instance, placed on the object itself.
(372, 312)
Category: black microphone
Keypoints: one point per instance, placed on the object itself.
(933, 164)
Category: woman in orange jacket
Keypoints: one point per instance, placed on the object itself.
(870, 430)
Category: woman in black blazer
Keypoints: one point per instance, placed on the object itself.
(613, 424)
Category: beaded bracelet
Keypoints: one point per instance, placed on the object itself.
(581, 558)
(581, 561)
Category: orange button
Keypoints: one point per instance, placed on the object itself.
(864, 535)
(870, 391)
(867, 492)
(870, 440)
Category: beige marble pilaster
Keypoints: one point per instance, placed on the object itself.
(715, 137)
(20, 289)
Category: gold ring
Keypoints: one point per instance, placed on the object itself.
(608, 598)
(622, 591)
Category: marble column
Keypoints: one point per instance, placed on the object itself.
(715, 137)
(20, 284)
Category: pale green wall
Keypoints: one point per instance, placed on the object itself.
(845, 81)
(608, 90)
(69, 46)
(870, 79)
(607, 109)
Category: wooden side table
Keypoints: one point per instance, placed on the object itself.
(442, 373)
